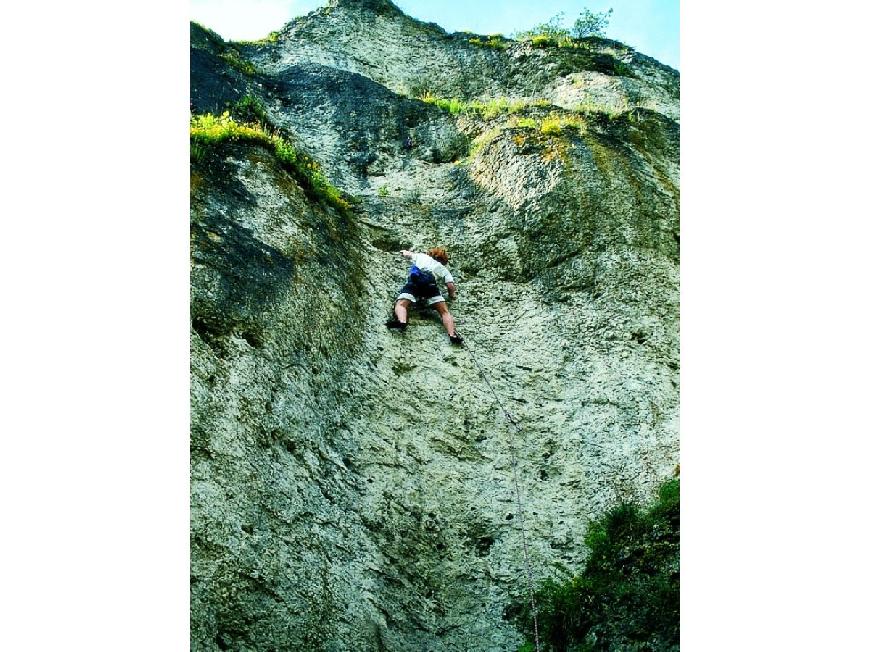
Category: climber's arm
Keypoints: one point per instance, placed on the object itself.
(451, 290)
(408, 254)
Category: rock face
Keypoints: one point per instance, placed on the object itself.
(352, 487)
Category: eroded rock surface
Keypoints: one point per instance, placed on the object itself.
(351, 487)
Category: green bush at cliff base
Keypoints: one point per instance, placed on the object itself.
(208, 131)
(628, 594)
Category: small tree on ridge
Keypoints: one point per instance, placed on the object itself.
(591, 24)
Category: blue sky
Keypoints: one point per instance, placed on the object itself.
(650, 26)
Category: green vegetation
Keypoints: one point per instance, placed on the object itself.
(628, 594)
(483, 140)
(589, 108)
(526, 123)
(591, 24)
(232, 57)
(202, 36)
(209, 131)
(581, 44)
(487, 110)
(453, 105)
(553, 33)
(383, 191)
(271, 38)
(250, 110)
(553, 124)
(495, 41)
(622, 69)
(209, 34)
(584, 57)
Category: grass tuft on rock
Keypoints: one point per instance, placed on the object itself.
(208, 131)
(485, 109)
(494, 42)
(628, 595)
(553, 124)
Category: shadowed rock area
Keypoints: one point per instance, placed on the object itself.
(351, 487)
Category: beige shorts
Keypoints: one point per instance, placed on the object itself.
(431, 301)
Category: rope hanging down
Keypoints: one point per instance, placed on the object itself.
(512, 446)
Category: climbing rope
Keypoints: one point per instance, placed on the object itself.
(512, 446)
(520, 514)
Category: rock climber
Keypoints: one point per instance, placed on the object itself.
(426, 270)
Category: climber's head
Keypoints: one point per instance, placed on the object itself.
(439, 254)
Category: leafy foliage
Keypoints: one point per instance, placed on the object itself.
(553, 33)
(628, 595)
(209, 131)
(550, 33)
(591, 24)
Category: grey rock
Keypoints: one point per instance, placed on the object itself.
(352, 488)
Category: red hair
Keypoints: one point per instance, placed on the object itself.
(439, 254)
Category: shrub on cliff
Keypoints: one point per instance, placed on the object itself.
(628, 594)
(554, 33)
(591, 24)
(551, 33)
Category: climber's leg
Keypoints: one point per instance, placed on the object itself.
(446, 317)
(401, 310)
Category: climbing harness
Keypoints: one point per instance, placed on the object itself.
(512, 446)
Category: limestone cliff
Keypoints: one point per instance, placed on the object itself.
(351, 487)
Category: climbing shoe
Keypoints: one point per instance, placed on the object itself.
(395, 323)
(456, 339)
